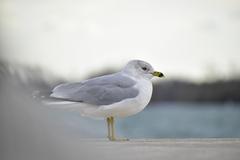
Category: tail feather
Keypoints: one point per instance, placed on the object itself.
(84, 109)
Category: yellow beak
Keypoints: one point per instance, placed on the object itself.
(157, 74)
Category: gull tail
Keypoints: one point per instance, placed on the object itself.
(86, 110)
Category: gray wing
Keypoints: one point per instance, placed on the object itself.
(103, 90)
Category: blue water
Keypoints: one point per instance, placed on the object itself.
(184, 121)
(167, 120)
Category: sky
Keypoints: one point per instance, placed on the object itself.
(196, 40)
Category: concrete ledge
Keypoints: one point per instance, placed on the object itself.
(169, 149)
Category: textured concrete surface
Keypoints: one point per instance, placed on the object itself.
(168, 149)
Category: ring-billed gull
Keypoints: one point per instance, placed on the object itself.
(120, 94)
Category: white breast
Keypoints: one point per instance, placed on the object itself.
(145, 94)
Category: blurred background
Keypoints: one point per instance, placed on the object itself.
(196, 44)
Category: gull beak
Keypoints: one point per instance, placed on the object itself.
(157, 74)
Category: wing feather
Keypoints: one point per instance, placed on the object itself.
(103, 90)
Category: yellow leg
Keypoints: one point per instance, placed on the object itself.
(109, 129)
(113, 138)
(112, 128)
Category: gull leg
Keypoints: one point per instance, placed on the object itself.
(109, 129)
(113, 138)
(112, 129)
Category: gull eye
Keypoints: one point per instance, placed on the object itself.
(144, 68)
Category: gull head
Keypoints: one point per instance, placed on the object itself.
(141, 69)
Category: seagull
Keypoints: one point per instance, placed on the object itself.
(120, 94)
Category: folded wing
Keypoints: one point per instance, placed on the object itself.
(103, 90)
